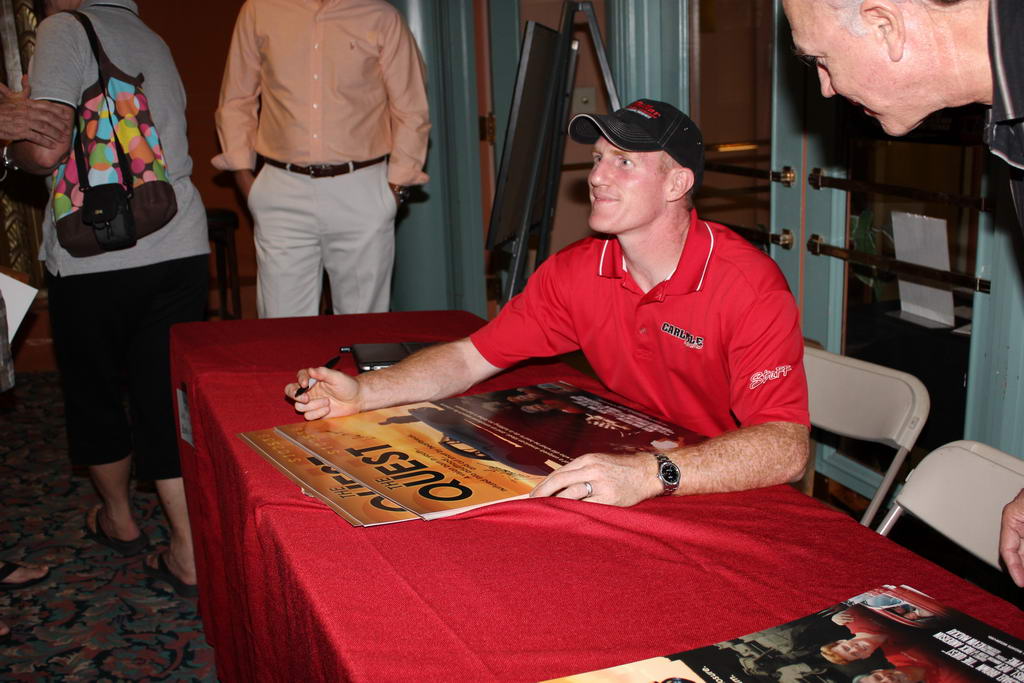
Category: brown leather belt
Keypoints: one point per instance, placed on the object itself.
(325, 170)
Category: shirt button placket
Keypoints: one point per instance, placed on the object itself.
(316, 89)
(643, 338)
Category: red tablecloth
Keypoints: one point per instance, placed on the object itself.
(524, 590)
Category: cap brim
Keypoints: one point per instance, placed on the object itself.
(583, 128)
(587, 128)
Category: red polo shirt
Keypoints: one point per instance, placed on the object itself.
(716, 346)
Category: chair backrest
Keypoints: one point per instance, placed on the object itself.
(959, 490)
(862, 400)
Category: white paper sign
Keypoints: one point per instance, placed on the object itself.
(17, 298)
(184, 417)
(922, 240)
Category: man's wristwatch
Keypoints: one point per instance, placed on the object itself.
(401, 192)
(668, 474)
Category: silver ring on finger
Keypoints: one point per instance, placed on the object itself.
(590, 489)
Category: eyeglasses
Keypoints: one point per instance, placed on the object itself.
(811, 61)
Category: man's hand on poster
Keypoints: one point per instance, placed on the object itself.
(621, 480)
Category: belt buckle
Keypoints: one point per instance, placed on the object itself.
(301, 170)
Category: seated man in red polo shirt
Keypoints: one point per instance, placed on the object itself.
(674, 312)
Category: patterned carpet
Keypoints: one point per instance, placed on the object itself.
(99, 617)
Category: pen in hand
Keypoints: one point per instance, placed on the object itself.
(329, 364)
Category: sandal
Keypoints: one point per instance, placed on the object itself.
(136, 546)
(163, 572)
(8, 568)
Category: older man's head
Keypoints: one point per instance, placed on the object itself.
(898, 60)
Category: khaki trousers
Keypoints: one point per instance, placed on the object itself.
(304, 226)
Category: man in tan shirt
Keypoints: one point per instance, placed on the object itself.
(331, 94)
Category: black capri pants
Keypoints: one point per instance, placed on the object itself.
(111, 332)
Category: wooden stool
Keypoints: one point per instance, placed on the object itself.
(222, 224)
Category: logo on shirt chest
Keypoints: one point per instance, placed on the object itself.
(691, 340)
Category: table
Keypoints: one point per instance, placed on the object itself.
(523, 590)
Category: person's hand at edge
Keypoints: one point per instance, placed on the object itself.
(22, 118)
(244, 178)
(334, 394)
(1010, 546)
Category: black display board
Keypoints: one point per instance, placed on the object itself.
(531, 160)
(526, 137)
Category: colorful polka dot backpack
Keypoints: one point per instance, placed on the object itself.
(113, 189)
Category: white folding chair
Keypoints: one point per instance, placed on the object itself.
(959, 490)
(869, 402)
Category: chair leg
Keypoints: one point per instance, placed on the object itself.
(883, 488)
(890, 519)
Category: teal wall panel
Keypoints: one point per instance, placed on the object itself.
(506, 37)
(789, 79)
(804, 138)
(439, 262)
(648, 49)
(824, 285)
(825, 215)
(995, 388)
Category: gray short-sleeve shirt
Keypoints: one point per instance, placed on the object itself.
(63, 67)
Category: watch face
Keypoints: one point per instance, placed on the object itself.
(669, 473)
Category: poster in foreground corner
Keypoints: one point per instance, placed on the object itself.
(442, 457)
(888, 635)
(354, 502)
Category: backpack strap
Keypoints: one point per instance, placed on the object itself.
(106, 4)
(101, 62)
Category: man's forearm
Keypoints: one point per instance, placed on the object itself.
(433, 373)
(750, 457)
(237, 115)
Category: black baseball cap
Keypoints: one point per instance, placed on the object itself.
(646, 126)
